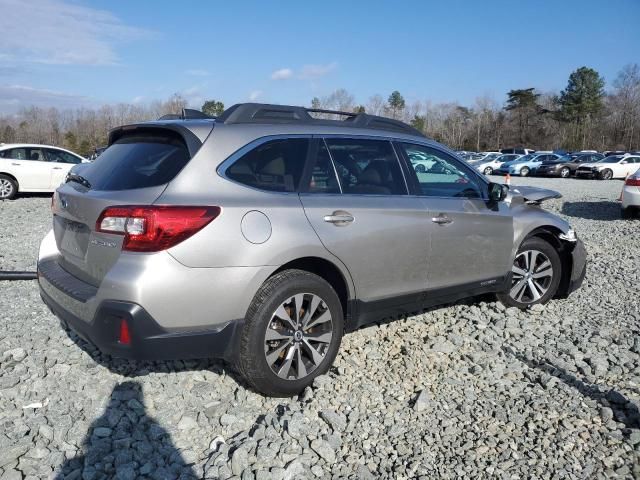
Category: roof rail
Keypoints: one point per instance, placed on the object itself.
(266, 113)
(186, 114)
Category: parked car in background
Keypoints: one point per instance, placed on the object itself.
(488, 167)
(33, 168)
(615, 166)
(631, 196)
(523, 166)
(567, 165)
(484, 156)
(521, 151)
(263, 243)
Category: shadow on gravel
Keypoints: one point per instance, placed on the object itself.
(126, 443)
(604, 210)
(623, 410)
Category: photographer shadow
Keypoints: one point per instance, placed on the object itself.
(125, 442)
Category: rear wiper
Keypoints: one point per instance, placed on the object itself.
(74, 177)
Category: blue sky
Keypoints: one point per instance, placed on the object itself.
(82, 52)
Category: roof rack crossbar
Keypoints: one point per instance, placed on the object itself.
(187, 114)
(270, 114)
(332, 112)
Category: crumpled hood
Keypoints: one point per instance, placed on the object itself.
(591, 164)
(534, 194)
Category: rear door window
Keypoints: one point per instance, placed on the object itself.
(138, 161)
(367, 167)
(59, 156)
(14, 153)
(323, 175)
(275, 165)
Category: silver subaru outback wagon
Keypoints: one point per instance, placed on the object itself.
(261, 236)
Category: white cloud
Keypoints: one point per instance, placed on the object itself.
(282, 74)
(309, 72)
(14, 97)
(138, 99)
(197, 73)
(254, 95)
(194, 95)
(60, 32)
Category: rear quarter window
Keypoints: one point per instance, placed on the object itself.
(275, 165)
(138, 161)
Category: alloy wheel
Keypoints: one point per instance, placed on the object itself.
(532, 276)
(6, 188)
(488, 171)
(564, 173)
(298, 336)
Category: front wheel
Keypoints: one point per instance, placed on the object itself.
(536, 274)
(565, 172)
(292, 333)
(524, 172)
(421, 168)
(606, 174)
(488, 171)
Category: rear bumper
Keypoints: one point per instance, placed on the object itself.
(149, 341)
(631, 197)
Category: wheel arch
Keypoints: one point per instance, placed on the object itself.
(329, 271)
(12, 177)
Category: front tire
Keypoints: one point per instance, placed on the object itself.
(488, 171)
(8, 188)
(565, 172)
(606, 174)
(292, 333)
(421, 168)
(536, 273)
(524, 171)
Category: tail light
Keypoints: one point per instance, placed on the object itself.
(154, 228)
(633, 182)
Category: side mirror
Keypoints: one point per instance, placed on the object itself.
(498, 192)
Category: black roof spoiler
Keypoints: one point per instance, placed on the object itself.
(266, 113)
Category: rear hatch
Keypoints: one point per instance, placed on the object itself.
(134, 170)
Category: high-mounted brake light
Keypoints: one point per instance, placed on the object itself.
(154, 228)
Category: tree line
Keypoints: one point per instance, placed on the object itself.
(584, 115)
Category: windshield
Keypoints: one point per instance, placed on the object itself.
(565, 158)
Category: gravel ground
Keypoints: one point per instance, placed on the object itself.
(468, 390)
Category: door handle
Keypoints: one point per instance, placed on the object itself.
(339, 218)
(56, 168)
(442, 220)
(16, 164)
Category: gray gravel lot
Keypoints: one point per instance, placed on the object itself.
(469, 390)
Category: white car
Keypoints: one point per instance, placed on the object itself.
(631, 195)
(488, 166)
(615, 166)
(33, 168)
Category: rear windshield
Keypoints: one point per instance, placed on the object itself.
(138, 161)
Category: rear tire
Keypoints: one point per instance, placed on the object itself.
(8, 188)
(292, 333)
(565, 172)
(536, 274)
(524, 172)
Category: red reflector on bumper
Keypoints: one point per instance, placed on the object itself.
(125, 335)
